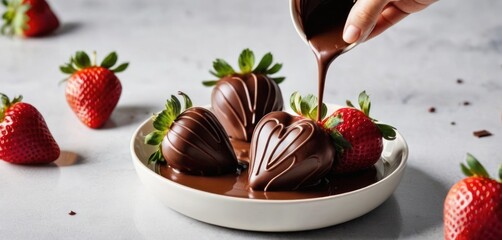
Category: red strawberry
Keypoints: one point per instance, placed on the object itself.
(191, 141)
(240, 100)
(29, 18)
(363, 135)
(93, 91)
(24, 136)
(290, 152)
(473, 206)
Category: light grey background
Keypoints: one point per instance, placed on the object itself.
(171, 45)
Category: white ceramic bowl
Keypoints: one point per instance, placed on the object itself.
(270, 215)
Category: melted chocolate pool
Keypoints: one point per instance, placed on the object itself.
(236, 185)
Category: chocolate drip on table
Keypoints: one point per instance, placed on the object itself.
(323, 22)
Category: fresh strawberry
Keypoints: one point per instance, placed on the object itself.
(363, 136)
(473, 206)
(241, 99)
(191, 141)
(24, 136)
(291, 152)
(28, 18)
(93, 91)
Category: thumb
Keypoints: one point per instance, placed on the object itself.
(362, 19)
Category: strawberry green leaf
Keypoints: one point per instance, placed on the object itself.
(364, 103)
(209, 83)
(388, 132)
(154, 138)
(156, 157)
(120, 68)
(7, 103)
(163, 121)
(68, 69)
(476, 167)
(246, 61)
(466, 170)
(264, 63)
(187, 100)
(222, 68)
(349, 103)
(278, 80)
(295, 101)
(332, 122)
(4, 2)
(306, 106)
(500, 173)
(274, 69)
(82, 60)
(109, 60)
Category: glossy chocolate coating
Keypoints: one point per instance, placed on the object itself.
(323, 22)
(288, 153)
(240, 101)
(197, 144)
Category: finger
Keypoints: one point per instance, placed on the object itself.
(362, 18)
(412, 6)
(390, 16)
(395, 12)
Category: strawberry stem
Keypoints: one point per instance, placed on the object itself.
(82, 61)
(6, 103)
(246, 62)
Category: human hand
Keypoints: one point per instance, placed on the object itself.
(369, 18)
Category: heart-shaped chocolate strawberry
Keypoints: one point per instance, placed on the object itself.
(240, 100)
(192, 141)
(288, 153)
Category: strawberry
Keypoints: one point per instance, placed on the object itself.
(241, 99)
(93, 91)
(28, 18)
(291, 152)
(363, 136)
(473, 206)
(191, 141)
(24, 135)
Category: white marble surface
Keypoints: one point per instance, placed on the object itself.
(171, 44)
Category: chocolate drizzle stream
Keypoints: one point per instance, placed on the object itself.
(323, 22)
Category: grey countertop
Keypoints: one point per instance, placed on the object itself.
(170, 46)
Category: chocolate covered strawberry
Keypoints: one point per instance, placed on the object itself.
(363, 136)
(291, 152)
(92, 90)
(28, 18)
(191, 141)
(24, 135)
(473, 206)
(241, 99)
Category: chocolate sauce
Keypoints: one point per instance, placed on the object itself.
(323, 22)
(241, 150)
(236, 184)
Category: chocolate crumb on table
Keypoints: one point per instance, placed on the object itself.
(71, 213)
(460, 81)
(467, 103)
(432, 109)
(453, 123)
(482, 133)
